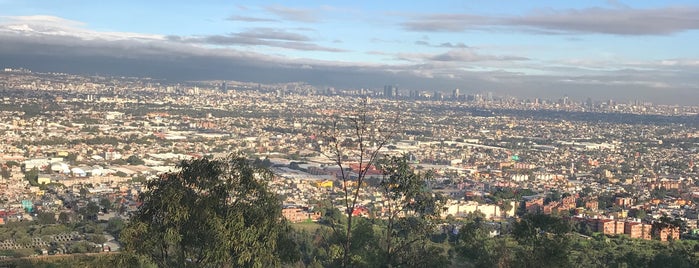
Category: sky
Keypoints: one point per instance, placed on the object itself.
(622, 50)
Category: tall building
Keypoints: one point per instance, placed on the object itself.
(437, 95)
(390, 91)
(455, 95)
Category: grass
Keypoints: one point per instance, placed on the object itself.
(308, 226)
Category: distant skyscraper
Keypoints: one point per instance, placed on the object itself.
(224, 87)
(437, 95)
(455, 95)
(390, 91)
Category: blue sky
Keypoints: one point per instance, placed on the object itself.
(522, 48)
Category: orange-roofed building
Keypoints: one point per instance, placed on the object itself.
(667, 233)
(606, 226)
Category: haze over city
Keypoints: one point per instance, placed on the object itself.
(306, 134)
(618, 50)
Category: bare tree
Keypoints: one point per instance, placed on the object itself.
(355, 137)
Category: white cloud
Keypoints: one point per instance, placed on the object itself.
(56, 26)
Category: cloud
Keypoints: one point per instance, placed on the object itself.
(258, 37)
(458, 55)
(469, 56)
(422, 43)
(659, 21)
(445, 22)
(249, 19)
(45, 25)
(41, 20)
(445, 44)
(293, 14)
(615, 21)
(273, 34)
(455, 45)
(228, 40)
(180, 58)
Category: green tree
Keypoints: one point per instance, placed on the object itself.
(46, 217)
(89, 212)
(97, 238)
(32, 176)
(115, 226)
(80, 247)
(105, 203)
(212, 213)
(478, 248)
(411, 214)
(71, 158)
(134, 160)
(12, 163)
(5, 172)
(543, 241)
(64, 217)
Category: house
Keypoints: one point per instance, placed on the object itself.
(623, 201)
(300, 214)
(606, 226)
(325, 184)
(534, 205)
(619, 227)
(360, 211)
(44, 179)
(592, 205)
(633, 229)
(667, 233)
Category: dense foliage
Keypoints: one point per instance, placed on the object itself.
(211, 213)
(547, 241)
(401, 237)
(220, 213)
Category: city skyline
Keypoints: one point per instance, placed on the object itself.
(600, 49)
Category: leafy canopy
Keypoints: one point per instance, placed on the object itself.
(211, 213)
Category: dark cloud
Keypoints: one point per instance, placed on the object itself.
(180, 62)
(617, 21)
(259, 37)
(227, 40)
(177, 58)
(249, 19)
(294, 14)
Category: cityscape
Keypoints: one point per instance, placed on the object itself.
(77, 147)
(349, 134)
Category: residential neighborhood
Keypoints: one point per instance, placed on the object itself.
(81, 147)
